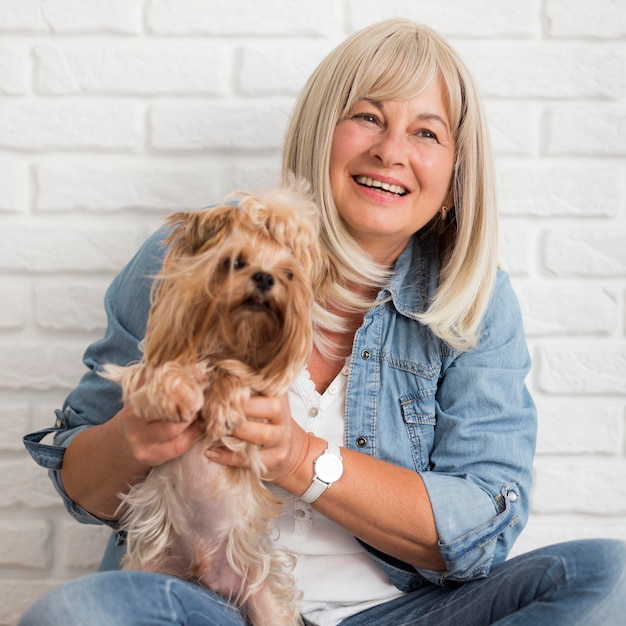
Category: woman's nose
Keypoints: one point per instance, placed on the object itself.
(391, 148)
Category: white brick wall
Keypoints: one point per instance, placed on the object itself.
(114, 113)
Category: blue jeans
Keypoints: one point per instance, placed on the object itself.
(580, 582)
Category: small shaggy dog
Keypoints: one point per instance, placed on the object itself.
(232, 315)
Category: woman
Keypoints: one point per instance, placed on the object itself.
(423, 389)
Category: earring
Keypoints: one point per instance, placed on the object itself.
(444, 212)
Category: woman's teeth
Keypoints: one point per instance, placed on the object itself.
(371, 182)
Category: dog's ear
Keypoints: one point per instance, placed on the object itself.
(292, 218)
(193, 230)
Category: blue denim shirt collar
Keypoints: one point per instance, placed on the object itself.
(415, 276)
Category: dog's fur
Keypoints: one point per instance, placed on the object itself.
(232, 315)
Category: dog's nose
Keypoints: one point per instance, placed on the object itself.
(263, 281)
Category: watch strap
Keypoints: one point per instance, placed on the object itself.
(318, 486)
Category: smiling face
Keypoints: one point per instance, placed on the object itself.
(391, 167)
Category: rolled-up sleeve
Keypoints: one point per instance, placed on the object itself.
(479, 475)
(96, 400)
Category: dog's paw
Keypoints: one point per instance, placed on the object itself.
(183, 400)
(178, 390)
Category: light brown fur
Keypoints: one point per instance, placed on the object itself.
(232, 316)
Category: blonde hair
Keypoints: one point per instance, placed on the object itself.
(394, 60)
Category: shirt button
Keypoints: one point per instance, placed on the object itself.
(299, 513)
(361, 442)
(313, 412)
(345, 371)
(365, 355)
(332, 389)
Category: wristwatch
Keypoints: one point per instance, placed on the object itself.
(328, 469)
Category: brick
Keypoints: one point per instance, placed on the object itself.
(563, 191)
(586, 130)
(14, 312)
(450, 16)
(43, 413)
(190, 126)
(591, 369)
(535, 71)
(22, 15)
(585, 254)
(113, 16)
(544, 530)
(602, 18)
(279, 69)
(71, 125)
(114, 186)
(54, 250)
(71, 16)
(14, 70)
(25, 485)
(256, 175)
(569, 486)
(70, 305)
(580, 427)
(146, 69)
(16, 595)
(563, 310)
(14, 423)
(235, 17)
(25, 544)
(13, 186)
(513, 127)
(35, 366)
(515, 248)
(84, 545)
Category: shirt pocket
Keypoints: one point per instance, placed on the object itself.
(418, 413)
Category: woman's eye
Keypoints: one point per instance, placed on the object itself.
(426, 134)
(367, 117)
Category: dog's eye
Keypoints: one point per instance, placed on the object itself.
(234, 264)
(289, 275)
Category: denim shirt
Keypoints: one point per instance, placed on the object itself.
(463, 420)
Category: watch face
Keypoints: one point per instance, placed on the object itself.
(329, 468)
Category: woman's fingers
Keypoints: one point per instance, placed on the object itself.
(158, 441)
(270, 426)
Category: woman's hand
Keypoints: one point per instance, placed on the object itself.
(284, 444)
(154, 442)
(105, 460)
